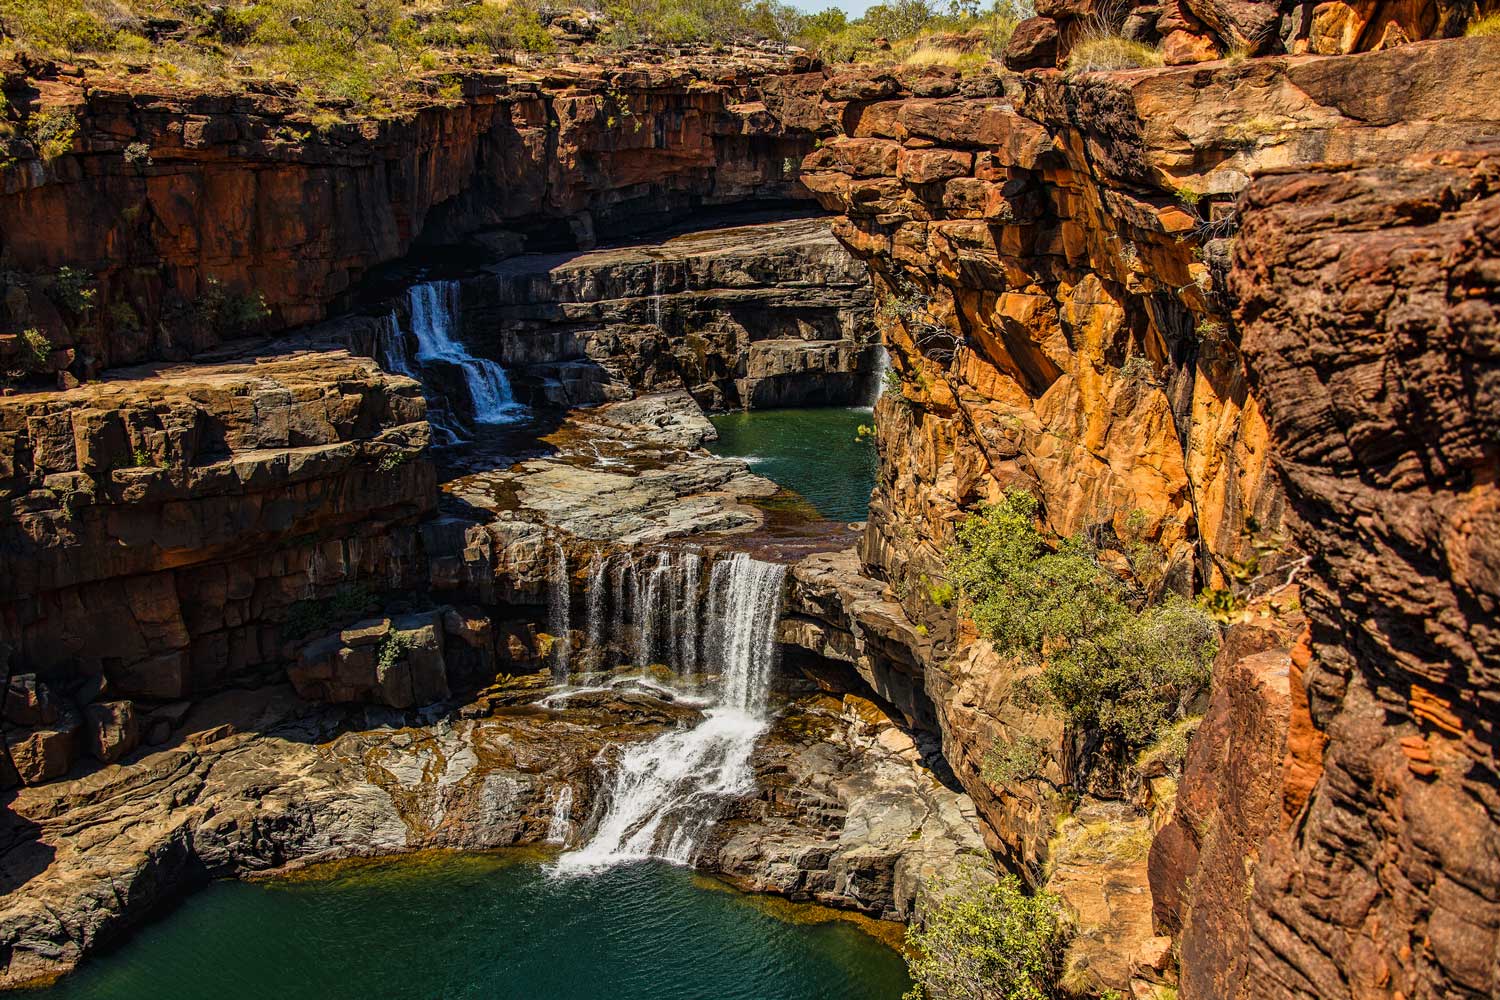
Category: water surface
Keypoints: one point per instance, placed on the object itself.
(818, 453)
(493, 926)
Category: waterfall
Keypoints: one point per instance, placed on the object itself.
(562, 816)
(391, 349)
(433, 305)
(752, 605)
(685, 615)
(648, 617)
(624, 570)
(594, 594)
(656, 294)
(558, 600)
(877, 377)
(665, 794)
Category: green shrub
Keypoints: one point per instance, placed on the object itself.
(1110, 52)
(74, 290)
(987, 943)
(392, 648)
(1115, 670)
(52, 132)
(1009, 761)
(318, 614)
(36, 350)
(229, 313)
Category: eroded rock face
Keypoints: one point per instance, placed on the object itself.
(1202, 866)
(243, 192)
(159, 525)
(1371, 326)
(768, 313)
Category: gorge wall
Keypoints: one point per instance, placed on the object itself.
(199, 211)
(1277, 383)
(1053, 260)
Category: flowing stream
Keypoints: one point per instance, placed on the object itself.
(664, 794)
(434, 307)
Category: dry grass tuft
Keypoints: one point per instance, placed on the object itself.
(1110, 52)
(928, 54)
(1486, 27)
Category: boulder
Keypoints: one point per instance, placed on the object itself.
(1033, 45)
(111, 729)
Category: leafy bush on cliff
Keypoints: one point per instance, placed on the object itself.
(987, 943)
(1118, 670)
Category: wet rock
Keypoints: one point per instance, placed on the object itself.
(269, 782)
(848, 815)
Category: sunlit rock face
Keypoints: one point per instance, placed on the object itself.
(240, 196)
(1052, 258)
(1371, 328)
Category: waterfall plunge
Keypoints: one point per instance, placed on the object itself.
(664, 794)
(559, 609)
(562, 816)
(433, 306)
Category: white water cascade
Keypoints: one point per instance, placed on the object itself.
(558, 612)
(433, 306)
(561, 823)
(594, 595)
(877, 377)
(665, 794)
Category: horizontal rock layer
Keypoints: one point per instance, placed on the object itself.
(241, 198)
(1371, 321)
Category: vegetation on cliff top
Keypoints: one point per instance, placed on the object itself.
(371, 56)
(1120, 669)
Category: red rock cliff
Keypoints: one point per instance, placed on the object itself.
(162, 194)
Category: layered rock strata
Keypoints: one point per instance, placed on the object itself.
(1371, 325)
(769, 313)
(236, 212)
(161, 525)
(1052, 259)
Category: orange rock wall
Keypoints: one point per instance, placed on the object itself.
(245, 192)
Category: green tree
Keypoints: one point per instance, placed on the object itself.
(1117, 668)
(989, 942)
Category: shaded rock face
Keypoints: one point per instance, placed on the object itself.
(773, 313)
(1371, 324)
(1202, 864)
(240, 192)
(160, 525)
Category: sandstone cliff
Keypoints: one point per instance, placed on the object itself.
(243, 197)
(1052, 260)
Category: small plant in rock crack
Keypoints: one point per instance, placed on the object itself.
(36, 350)
(392, 649)
(1138, 369)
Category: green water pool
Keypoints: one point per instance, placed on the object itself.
(818, 453)
(494, 926)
